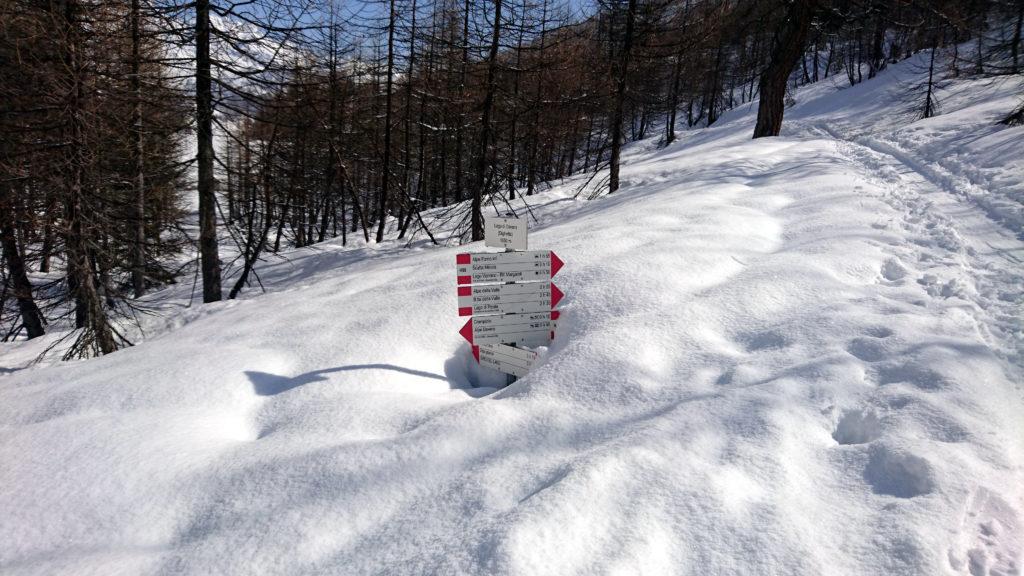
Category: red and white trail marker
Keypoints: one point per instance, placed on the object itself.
(508, 298)
(496, 267)
(534, 329)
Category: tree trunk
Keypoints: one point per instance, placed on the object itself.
(461, 92)
(673, 99)
(620, 99)
(48, 234)
(477, 222)
(407, 177)
(929, 99)
(531, 164)
(31, 317)
(788, 47)
(208, 252)
(139, 246)
(513, 140)
(1015, 42)
(89, 314)
(877, 61)
(254, 244)
(385, 176)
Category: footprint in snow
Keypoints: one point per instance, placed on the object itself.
(938, 289)
(893, 270)
(755, 341)
(890, 472)
(857, 427)
(912, 374)
(878, 331)
(990, 537)
(872, 347)
(867, 349)
(726, 377)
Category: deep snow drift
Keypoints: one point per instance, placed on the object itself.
(796, 355)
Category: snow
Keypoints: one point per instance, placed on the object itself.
(796, 355)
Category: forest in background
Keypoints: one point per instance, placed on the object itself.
(287, 123)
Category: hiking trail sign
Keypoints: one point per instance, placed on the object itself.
(488, 268)
(509, 297)
(507, 359)
(536, 329)
(507, 233)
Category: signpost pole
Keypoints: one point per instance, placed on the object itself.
(510, 379)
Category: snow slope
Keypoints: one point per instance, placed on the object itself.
(797, 355)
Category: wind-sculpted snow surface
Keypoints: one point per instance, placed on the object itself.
(793, 355)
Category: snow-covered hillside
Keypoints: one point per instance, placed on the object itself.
(793, 355)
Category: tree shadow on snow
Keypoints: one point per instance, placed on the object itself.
(266, 384)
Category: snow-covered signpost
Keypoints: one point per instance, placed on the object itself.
(509, 296)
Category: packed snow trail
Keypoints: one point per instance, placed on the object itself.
(791, 355)
(959, 249)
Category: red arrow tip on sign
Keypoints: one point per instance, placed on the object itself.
(476, 353)
(556, 264)
(467, 331)
(556, 295)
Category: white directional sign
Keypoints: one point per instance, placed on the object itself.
(521, 329)
(508, 298)
(507, 359)
(508, 233)
(489, 268)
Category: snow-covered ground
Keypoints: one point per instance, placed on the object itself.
(794, 355)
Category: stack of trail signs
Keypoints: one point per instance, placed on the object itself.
(509, 297)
